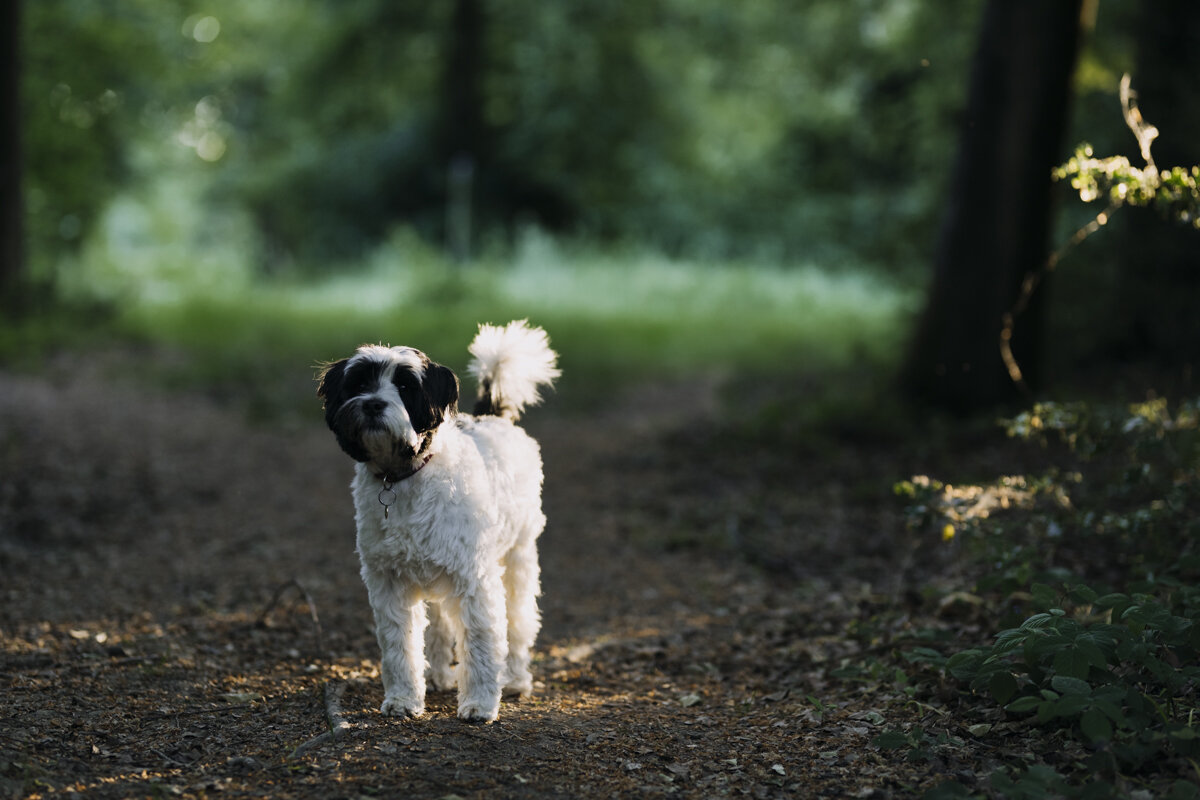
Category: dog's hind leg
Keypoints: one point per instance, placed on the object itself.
(521, 588)
(400, 629)
(439, 647)
(484, 653)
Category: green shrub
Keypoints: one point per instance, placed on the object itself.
(1099, 552)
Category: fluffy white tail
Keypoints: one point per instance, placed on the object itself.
(510, 364)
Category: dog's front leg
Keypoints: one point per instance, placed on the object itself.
(485, 652)
(400, 630)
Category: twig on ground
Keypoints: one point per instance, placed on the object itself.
(339, 728)
(312, 609)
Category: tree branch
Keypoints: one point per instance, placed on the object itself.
(339, 727)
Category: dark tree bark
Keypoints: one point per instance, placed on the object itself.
(462, 141)
(995, 230)
(12, 250)
(461, 126)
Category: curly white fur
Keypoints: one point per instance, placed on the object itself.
(451, 569)
(510, 363)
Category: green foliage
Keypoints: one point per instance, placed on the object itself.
(1125, 481)
(698, 128)
(918, 743)
(1116, 670)
(86, 80)
(694, 126)
(1175, 192)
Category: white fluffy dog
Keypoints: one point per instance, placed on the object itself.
(448, 508)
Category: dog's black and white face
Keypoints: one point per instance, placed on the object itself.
(384, 403)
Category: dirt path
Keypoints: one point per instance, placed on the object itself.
(696, 597)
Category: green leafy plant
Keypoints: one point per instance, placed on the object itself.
(919, 744)
(1174, 191)
(1120, 669)
(1098, 552)
(1119, 502)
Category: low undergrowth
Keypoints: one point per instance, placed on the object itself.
(1081, 590)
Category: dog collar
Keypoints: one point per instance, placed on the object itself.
(387, 495)
(396, 477)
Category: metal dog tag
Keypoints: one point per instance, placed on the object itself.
(387, 498)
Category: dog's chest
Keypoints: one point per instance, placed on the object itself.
(431, 528)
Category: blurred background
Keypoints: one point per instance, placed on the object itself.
(671, 185)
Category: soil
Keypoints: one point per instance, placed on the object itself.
(182, 613)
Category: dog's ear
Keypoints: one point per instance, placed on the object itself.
(329, 387)
(441, 387)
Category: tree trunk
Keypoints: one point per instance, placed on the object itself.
(461, 140)
(997, 221)
(12, 250)
(462, 83)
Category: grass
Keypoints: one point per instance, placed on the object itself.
(615, 315)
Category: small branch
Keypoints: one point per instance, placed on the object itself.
(1145, 133)
(339, 728)
(312, 609)
(333, 707)
(1030, 285)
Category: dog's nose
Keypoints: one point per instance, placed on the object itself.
(374, 407)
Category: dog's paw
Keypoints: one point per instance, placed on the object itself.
(484, 712)
(517, 688)
(441, 679)
(402, 707)
(518, 681)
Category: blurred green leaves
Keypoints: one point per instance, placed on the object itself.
(695, 127)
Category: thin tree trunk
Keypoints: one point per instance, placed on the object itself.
(996, 225)
(462, 140)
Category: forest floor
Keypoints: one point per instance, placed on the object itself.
(181, 611)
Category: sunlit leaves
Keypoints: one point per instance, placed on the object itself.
(1175, 191)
